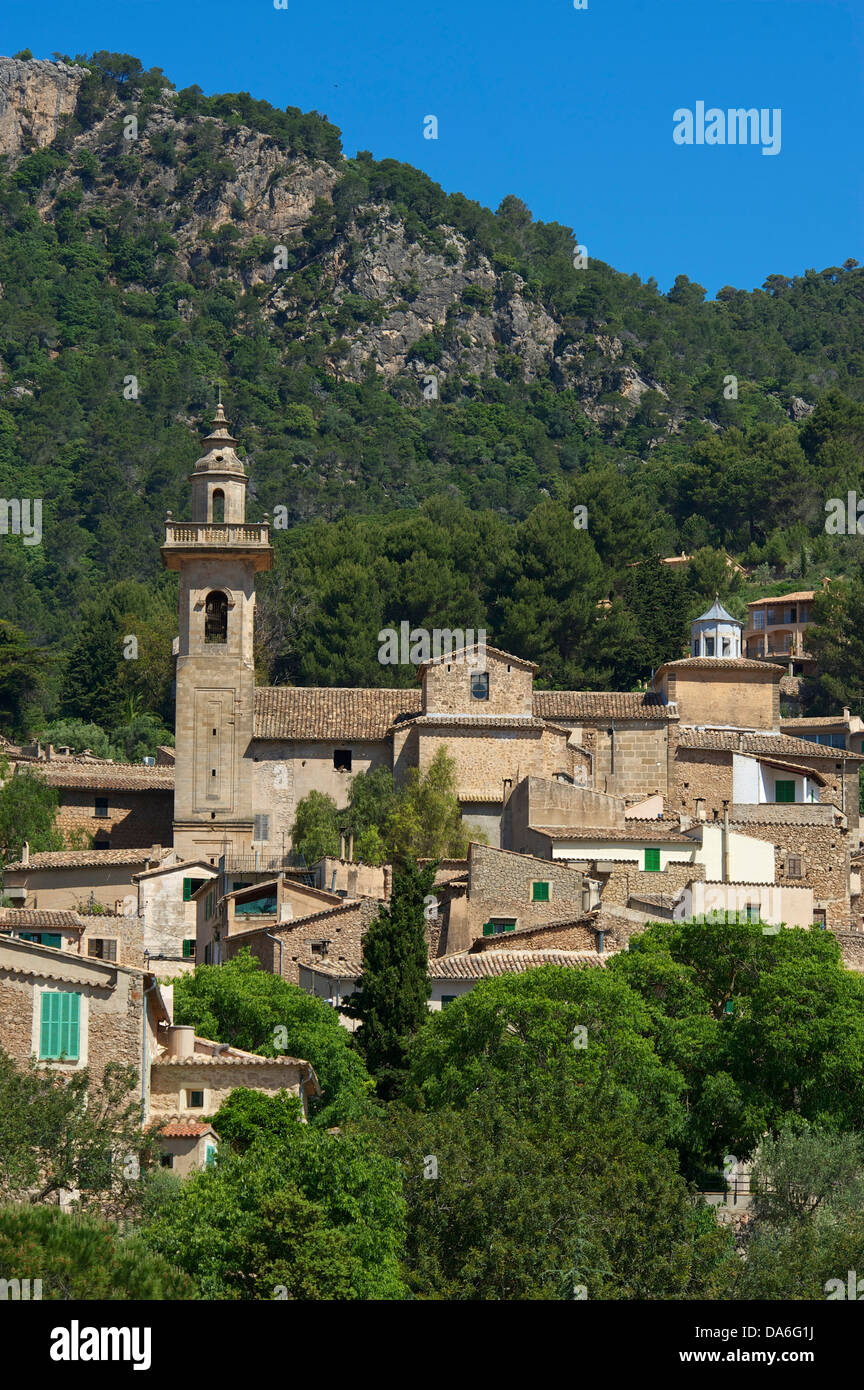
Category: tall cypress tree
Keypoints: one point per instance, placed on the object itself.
(393, 990)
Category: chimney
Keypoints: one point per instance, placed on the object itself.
(342, 844)
(353, 876)
(180, 1041)
(25, 854)
(118, 907)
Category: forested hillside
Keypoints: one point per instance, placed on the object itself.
(153, 242)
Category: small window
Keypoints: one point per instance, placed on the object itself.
(319, 948)
(216, 617)
(727, 646)
(753, 912)
(196, 1100)
(210, 1155)
(60, 1023)
(102, 948)
(794, 866)
(101, 808)
(709, 646)
(218, 505)
(539, 892)
(784, 791)
(167, 1160)
(101, 840)
(262, 827)
(447, 999)
(342, 759)
(652, 861)
(188, 949)
(480, 686)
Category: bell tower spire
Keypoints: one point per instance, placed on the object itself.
(217, 555)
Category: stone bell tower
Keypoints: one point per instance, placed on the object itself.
(217, 554)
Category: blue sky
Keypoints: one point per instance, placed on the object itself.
(569, 109)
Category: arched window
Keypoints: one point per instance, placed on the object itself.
(218, 505)
(216, 617)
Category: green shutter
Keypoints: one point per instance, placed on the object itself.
(60, 1026)
(540, 892)
(187, 890)
(784, 791)
(188, 949)
(509, 926)
(488, 929)
(652, 860)
(52, 939)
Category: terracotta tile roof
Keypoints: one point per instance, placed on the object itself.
(801, 594)
(491, 794)
(229, 1059)
(81, 859)
(186, 1129)
(719, 663)
(644, 830)
(39, 919)
(761, 745)
(465, 965)
(329, 713)
(132, 777)
(601, 704)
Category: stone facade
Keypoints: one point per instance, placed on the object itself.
(133, 818)
(342, 928)
(447, 687)
(172, 1079)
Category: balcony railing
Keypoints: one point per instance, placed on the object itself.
(219, 533)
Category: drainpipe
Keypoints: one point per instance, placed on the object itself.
(726, 843)
(278, 941)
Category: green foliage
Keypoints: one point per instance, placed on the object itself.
(241, 1004)
(393, 989)
(67, 1132)
(300, 1214)
(315, 832)
(28, 810)
(426, 821)
(80, 1257)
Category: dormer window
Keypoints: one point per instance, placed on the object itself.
(216, 617)
(480, 686)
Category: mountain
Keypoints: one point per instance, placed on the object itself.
(392, 355)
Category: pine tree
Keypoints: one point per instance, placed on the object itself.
(393, 990)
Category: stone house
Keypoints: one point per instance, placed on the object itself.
(116, 805)
(70, 879)
(72, 1011)
(101, 936)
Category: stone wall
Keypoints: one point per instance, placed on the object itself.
(723, 695)
(447, 688)
(825, 855)
(344, 928)
(625, 882)
(113, 1014)
(134, 819)
(631, 758)
(563, 936)
(171, 1081)
(283, 772)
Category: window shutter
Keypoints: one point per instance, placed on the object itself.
(52, 939)
(110, 949)
(188, 949)
(652, 860)
(488, 929)
(540, 893)
(509, 926)
(60, 1026)
(49, 1034)
(784, 791)
(187, 890)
